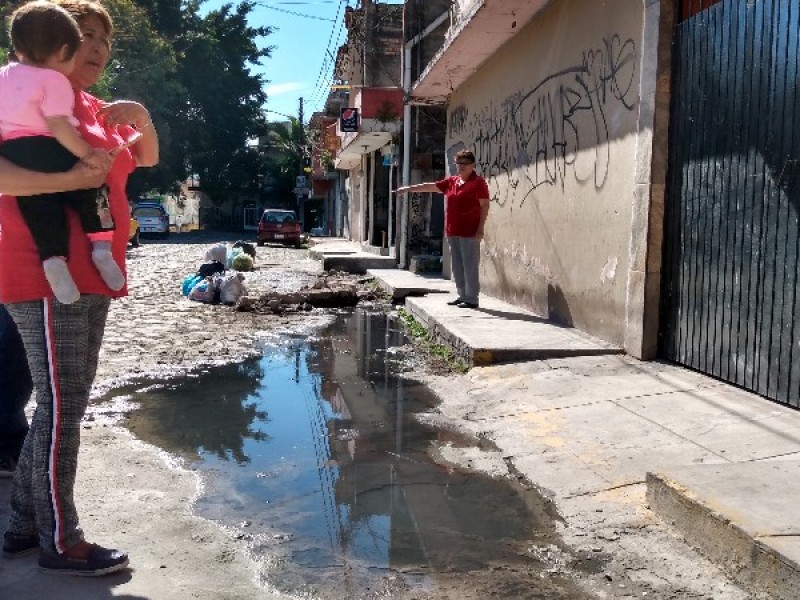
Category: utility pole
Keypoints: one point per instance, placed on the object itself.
(367, 42)
(300, 118)
(301, 185)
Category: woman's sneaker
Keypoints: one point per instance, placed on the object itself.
(100, 561)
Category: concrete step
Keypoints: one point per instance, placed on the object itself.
(743, 516)
(500, 332)
(346, 257)
(399, 283)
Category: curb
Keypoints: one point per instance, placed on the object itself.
(761, 568)
(477, 356)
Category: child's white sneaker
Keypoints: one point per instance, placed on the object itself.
(108, 267)
(60, 280)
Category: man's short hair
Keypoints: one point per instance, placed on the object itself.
(465, 155)
(40, 28)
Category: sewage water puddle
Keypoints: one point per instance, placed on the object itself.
(312, 454)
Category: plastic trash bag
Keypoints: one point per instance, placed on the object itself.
(231, 288)
(189, 282)
(218, 253)
(204, 291)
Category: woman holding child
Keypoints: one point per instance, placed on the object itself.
(62, 340)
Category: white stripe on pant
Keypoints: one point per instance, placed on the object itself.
(62, 343)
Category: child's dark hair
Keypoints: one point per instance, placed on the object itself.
(39, 29)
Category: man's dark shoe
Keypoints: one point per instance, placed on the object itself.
(101, 561)
(7, 467)
(468, 305)
(15, 545)
(455, 302)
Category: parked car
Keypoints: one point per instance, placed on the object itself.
(280, 227)
(153, 218)
(133, 232)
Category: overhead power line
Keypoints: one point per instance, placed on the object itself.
(293, 13)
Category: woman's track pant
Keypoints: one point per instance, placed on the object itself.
(62, 342)
(465, 260)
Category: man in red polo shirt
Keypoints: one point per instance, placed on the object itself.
(466, 208)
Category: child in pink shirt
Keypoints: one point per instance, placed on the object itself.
(38, 133)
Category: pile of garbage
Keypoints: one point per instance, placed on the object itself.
(220, 279)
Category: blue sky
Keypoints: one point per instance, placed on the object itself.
(306, 36)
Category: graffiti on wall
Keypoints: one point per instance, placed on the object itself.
(556, 130)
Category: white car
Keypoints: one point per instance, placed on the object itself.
(153, 219)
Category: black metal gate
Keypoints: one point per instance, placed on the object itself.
(730, 289)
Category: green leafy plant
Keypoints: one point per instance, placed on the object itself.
(423, 340)
(377, 289)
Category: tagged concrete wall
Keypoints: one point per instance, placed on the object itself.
(552, 118)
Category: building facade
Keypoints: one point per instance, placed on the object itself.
(369, 126)
(643, 167)
(554, 99)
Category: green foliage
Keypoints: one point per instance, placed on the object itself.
(224, 104)
(284, 152)
(194, 75)
(242, 262)
(5, 40)
(422, 339)
(144, 68)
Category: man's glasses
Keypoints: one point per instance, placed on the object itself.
(461, 163)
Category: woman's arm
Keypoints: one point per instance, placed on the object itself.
(17, 181)
(127, 112)
(145, 151)
(419, 187)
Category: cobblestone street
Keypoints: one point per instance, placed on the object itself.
(155, 331)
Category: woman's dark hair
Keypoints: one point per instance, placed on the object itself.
(465, 155)
(39, 29)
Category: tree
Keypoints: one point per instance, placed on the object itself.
(211, 101)
(194, 75)
(224, 103)
(284, 151)
(145, 68)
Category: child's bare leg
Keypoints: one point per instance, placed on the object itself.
(60, 280)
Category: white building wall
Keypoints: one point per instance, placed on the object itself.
(552, 118)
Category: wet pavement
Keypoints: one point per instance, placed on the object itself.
(312, 453)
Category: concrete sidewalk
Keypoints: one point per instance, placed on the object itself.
(343, 255)
(578, 419)
(495, 332)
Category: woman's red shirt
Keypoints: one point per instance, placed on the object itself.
(462, 212)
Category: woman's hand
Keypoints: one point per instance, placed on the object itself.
(98, 159)
(84, 175)
(125, 112)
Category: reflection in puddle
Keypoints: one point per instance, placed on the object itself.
(312, 452)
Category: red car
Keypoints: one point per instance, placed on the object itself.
(279, 227)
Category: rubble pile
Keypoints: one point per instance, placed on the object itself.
(331, 290)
